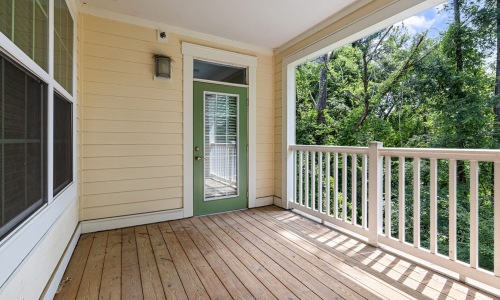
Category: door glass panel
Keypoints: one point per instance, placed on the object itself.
(221, 146)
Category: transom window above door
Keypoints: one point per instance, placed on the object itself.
(209, 71)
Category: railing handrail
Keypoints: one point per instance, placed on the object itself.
(444, 153)
(488, 155)
(332, 149)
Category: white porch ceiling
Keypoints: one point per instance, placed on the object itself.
(263, 23)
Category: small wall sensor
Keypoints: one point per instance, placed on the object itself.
(162, 36)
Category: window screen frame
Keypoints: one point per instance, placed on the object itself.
(18, 220)
(60, 188)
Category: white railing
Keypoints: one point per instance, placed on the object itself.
(223, 161)
(354, 188)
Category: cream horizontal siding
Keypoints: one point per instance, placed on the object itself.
(132, 149)
(132, 125)
(108, 175)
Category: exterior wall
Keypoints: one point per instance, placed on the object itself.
(353, 20)
(32, 276)
(132, 126)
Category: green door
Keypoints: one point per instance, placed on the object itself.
(220, 148)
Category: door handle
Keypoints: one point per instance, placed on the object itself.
(198, 158)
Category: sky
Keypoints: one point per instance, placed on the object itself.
(435, 20)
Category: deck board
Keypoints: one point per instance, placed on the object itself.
(152, 287)
(263, 253)
(131, 275)
(92, 275)
(112, 269)
(172, 284)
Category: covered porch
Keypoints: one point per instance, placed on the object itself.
(263, 253)
(121, 222)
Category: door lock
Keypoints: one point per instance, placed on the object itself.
(198, 158)
(196, 148)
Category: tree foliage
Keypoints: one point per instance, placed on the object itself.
(409, 89)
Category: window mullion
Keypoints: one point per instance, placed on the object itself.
(50, 109)
(25, 141)
(13, 19)
(3, 146)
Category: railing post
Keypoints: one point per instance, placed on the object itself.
(375, 175)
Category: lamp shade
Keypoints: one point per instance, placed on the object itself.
(162, 66)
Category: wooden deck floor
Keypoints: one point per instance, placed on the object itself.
(264, 253)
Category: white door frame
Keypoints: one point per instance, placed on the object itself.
(191, 52)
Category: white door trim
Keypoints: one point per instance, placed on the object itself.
(191, 52)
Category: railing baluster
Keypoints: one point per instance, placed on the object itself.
(474, 217)
(344, 187)
(364, 216)
(433, 204)
(313, 181)
(336, 184)
(496, 217)
(416, 202)
(307, 179)
(327, 173)
(402, 199)
(453, 210)
(301, 174)
(388, 197)
(295, 198)
(320, 182)
(354, 186)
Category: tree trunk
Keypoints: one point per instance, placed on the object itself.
(497, 80)
(458, 36)
(366, 97)
(323, 88)
(459, 61)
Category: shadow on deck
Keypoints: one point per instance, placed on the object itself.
(262, 253)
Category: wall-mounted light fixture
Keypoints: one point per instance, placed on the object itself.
(162, 65)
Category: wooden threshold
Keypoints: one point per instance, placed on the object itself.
(263, 253)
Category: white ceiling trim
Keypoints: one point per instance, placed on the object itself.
(323, 24)
(169, 28)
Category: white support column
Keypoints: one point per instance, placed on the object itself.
(288, 136)
(375, 192)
